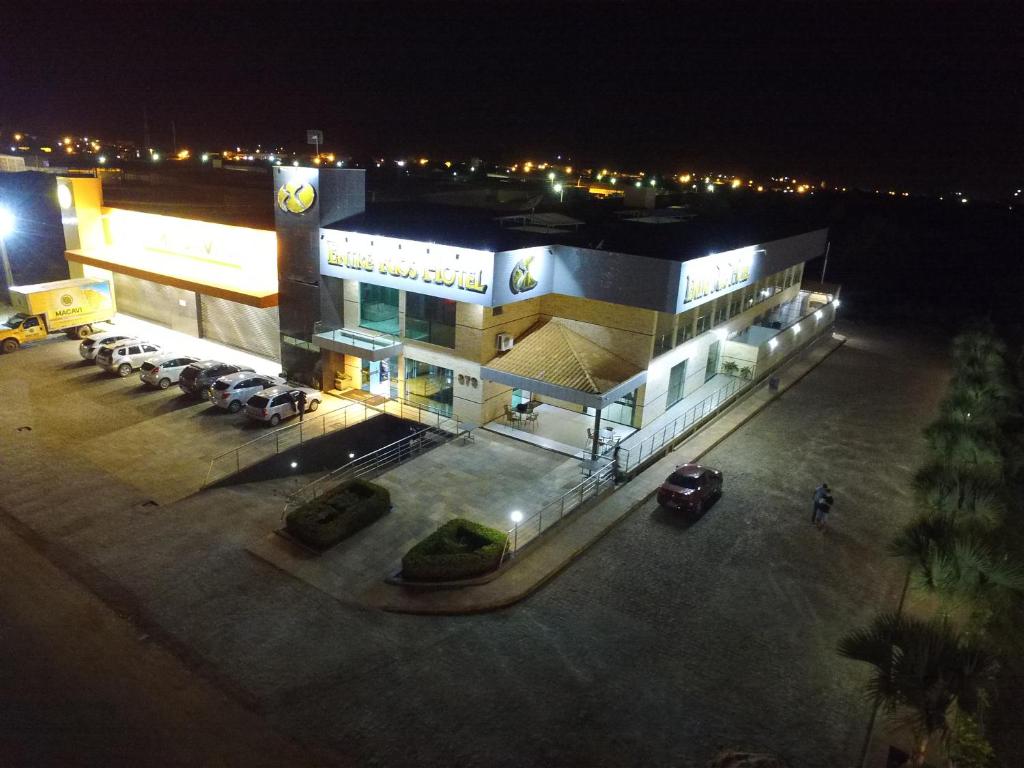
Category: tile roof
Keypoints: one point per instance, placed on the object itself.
(554, 353)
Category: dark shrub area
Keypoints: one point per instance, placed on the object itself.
(337, 515)
(459, 549)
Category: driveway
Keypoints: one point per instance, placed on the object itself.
(664, 641)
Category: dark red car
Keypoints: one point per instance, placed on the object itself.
(691, 488)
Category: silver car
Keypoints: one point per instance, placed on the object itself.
(164, 370)
(92, 343)
(281, 402)
(233, 391)
(123, 357)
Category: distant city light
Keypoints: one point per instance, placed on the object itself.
(551, 176)
(557, 187)
(654, 182)
(710, 188)
(156, 157)
(613, 180)
(400, 163)
(295, 163)
(684, 178)
(102, 159)
(638, 185)
(736, 183)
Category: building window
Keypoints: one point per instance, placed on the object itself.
(703, 321)
(430, 319)
(676, 384)
(663, 333)
(684, 328)
(378, 308)
(428, 386)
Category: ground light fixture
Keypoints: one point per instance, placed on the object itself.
(295, 464)
(351, 455)
(517, 518)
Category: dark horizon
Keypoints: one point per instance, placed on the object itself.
(921, 97)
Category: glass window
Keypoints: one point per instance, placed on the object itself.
(134, 350)
(676, 383)
(430, 319)
(663, 333)
(378, 308)
(703, 320)
(31, 322)
(429, 386)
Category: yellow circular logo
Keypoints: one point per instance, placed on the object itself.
(67, 300)
(295, 197)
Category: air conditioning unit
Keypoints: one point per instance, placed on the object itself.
(504, 342)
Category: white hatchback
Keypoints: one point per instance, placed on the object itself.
(164, 370)
(92, 343)
(281, 402)
(233, 391)
(123, 357)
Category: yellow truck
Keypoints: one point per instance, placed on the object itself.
(63, 306)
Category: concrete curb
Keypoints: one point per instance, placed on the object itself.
(396, 599)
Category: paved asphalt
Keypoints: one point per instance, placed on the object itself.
(668, 639)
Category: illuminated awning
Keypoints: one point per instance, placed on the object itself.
(234, 263)
(209, 281)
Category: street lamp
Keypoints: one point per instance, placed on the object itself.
(6, 228)
(517, 518)
(559, 189)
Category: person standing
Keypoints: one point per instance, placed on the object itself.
(819, 493)
(824, 506)
(300, 404)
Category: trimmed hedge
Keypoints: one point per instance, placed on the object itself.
(459, 549)
(337, 515)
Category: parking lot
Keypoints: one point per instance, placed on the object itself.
(161, 442)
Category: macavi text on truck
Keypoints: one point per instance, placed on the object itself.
(65, 306)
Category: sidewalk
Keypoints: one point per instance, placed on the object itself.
(538, 564)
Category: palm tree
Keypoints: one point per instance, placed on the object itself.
(970, 455)
(953, 562)
(922, 670)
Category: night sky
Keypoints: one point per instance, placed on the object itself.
(918, 96)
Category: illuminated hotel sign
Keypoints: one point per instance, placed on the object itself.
(705, 278)
(460, 274)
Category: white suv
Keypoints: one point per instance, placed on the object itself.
(91, 344)
(123, 357)
(280, 402)
(234, 390)
(165, 370)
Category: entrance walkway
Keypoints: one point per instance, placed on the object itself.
(485, 480)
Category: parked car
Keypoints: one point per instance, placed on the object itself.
(279, 402)
(165, 370)
(233, 391)
(198, 378)
(127, 355)
(690, 488)
(91, 344)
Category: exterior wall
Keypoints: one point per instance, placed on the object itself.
(696, 351)
(786, 340)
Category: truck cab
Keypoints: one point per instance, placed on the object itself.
(20, 329)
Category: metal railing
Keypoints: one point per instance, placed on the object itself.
(263, 447)
(525, 531)
(682, 425)
(375, 462)
(366, 338)
(353, 412)
(632, 457)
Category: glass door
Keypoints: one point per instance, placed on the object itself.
(714, 352)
